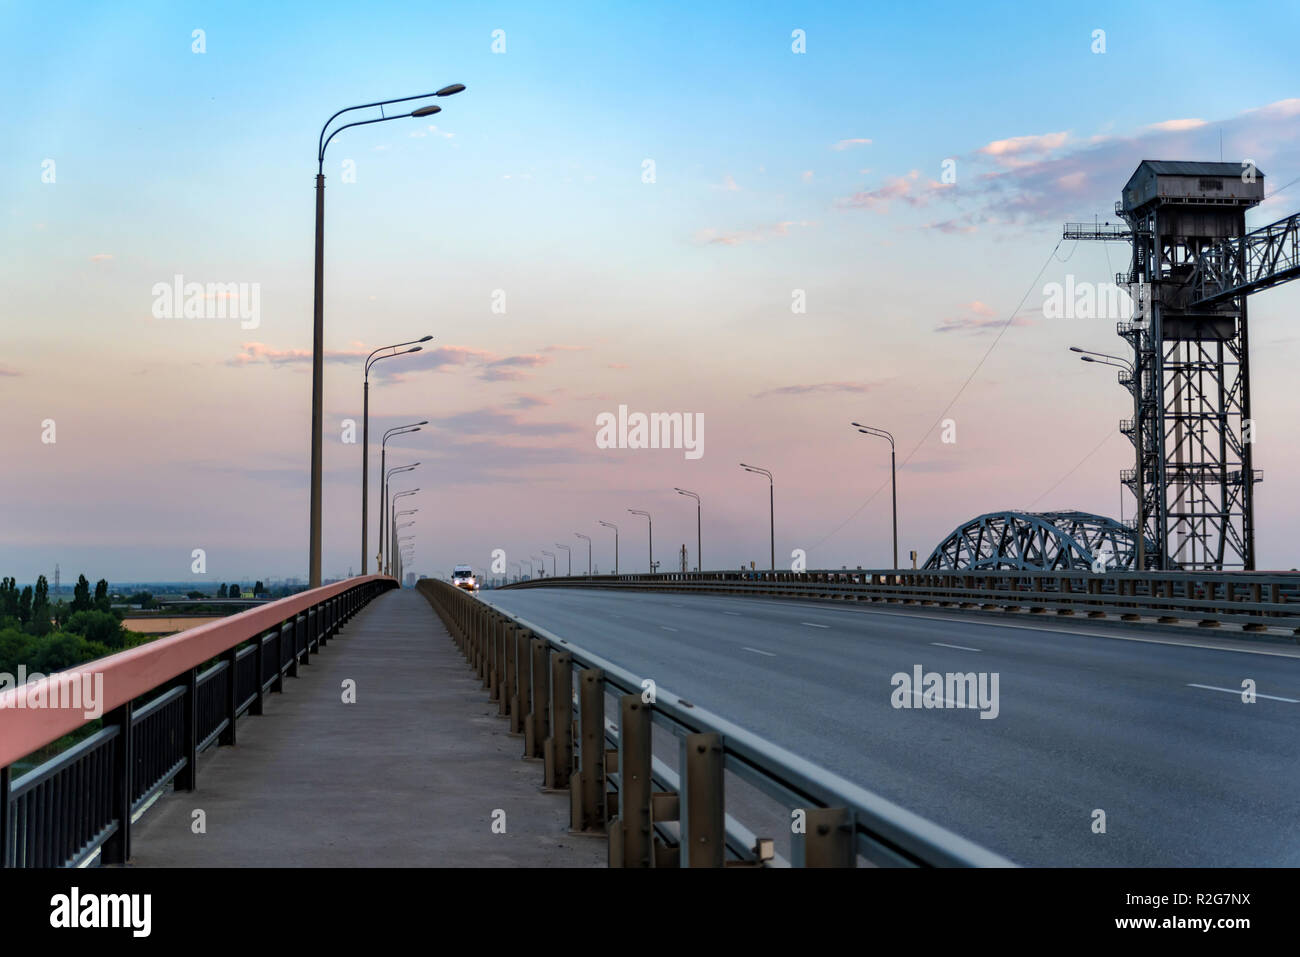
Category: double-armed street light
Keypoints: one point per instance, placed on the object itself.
(615, 528)
(771, 505)
(893, 473)
(383, 475)
(699, 560)
(570, 554)
(318, 311)
(365, 430)
(650, 526)
(392, 521)
(588, 540)
(1139, 491)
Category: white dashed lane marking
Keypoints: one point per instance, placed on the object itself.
(1238, 693)
(758, 652)
(940, 644)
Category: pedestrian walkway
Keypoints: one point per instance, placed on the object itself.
(413, 774)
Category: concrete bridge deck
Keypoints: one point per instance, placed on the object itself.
(409, 775)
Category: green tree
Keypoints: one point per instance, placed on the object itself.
(25, 605)
(40, 623)
(60, 612)
(9, 598)
(221, 592)
(259, 589)
(234, 591)
(81, 594)
(58, 652)
(102, 601)
(195, 595)
(98, 626)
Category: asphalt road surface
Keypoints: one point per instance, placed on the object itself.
(1149, 729)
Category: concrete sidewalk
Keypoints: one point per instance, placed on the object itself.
(410, 775)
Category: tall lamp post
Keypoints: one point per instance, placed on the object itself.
(552, 554)
(771, 504)
(588, 539)
(365, 432)
(318, 310)
(540, 561)
(569, 552)
(392, 520)
(699, 560)
(383, 476)
(1139, 490)
(387, 477)
(615, 528)
(651, 528)
(893, 475)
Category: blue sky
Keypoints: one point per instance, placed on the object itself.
(673, 294)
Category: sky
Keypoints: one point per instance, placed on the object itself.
(733, 211)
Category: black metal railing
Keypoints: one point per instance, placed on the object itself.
(83, 799)
(1254, 600)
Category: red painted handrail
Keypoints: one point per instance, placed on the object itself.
(131, 673)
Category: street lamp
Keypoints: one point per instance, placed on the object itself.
(699, 561)
(651, 528)
(615, 528)
(771, 504)
(387, 477)
(552, 554)
(530, 567)
(365, 431)
(318, 310)
(392, 545)
(383, 475)
(893, 475)
(540, 561)
(588, 538)
(1139, 490)
(570, 553)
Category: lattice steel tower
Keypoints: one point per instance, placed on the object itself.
(1193, 479)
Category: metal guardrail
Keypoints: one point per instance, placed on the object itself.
(159, 712)
(1254, 600)
(655, 815)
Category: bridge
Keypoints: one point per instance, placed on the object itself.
(579, 721)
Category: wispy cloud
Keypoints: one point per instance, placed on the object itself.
(849, 144)
(728, 184)
(712, 237)
(815, 387)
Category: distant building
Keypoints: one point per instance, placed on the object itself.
(410, 579)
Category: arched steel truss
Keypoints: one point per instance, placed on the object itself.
(1038, 540)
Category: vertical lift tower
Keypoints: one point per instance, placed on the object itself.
(1192, 268)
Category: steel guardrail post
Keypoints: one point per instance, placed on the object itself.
(635, 789)
(117, 848)
(7, 835)
(227, 736)
(535, 736)
(559, 744)
(826, 839)
(503, 664)
(587, 801)
(523, 678)
(259, 673)
(493, 627)
(701, 801)
(187, 777)
(277, 685)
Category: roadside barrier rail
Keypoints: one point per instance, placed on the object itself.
(554, 695)
(1254, 600)
(160, 708)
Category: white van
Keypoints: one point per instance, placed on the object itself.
(462, 576)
